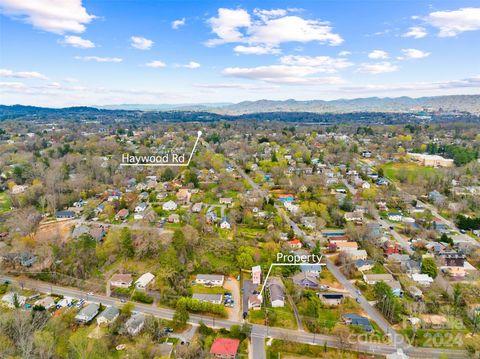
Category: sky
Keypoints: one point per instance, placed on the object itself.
(60, 53)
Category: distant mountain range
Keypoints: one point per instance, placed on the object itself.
(463, 103)
(453, 103)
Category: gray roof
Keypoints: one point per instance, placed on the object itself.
(135, 320)
(211, 277)
(110, 313)
(89, 310)
(276, 292)
(207, 297)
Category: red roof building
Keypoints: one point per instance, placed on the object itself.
(224, 348)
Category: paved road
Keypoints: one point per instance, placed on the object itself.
(258, 347)
(258, 330)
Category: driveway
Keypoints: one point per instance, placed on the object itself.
(232, 285)
(248, 289)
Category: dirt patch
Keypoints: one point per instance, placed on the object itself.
(232, 285)
(54, 231)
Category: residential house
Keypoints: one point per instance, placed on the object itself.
(64, 214)
(144, 281)
(135, 324)
(183, 195)
(375, 278)
(224, 348)
(345, 246)
(355, 216)
(120, 280)
(97, 233)
(305, 280)
(396, 288)
(422, 279)
(357, 254)
(141, 207)
(331, 299)
(415, 293)
(122, 214)
(364, 265)
(47, 302)
(210, 298)
(214, 280)
(276, 292)
(254, 302)
(390, 247)
(211, 216)
(174, 218)
(169, 206)
(87, 313)
(314, 269)
(355, 319)
(224, 224)
(394, 216)
(11, 299)
(295, 244)
(197, 207)
(108, 316)
(227, 201)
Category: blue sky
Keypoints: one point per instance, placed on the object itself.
(77, 52)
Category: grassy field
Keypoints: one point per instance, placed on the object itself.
(279, 317)
(292, 350)
(198, 288)
(409, 171)
(5, 203)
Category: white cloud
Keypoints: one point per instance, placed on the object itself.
(99, 59)
(190, 65)
(417, 32)
(413, 54)
(269, 14)
(226, 26)
(452, 23)
(22, 74)
(50, 15)
(281, 74)
(267, 30)
(77, 41)
(13, 85)
(378, 68)
(156, 64)
(178, 23)
(344, 53)
(324, 64)
(141, 43)
(255, 50)
(378, 54)
(233, 85)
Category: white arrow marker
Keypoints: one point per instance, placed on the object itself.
(199, 134)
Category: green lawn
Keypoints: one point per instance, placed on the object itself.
(278, 317)
(5, 203)
(410, 171)
(198, 288)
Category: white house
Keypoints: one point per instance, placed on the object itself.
(88, 313)
(394, 216)
(9, 299)
(144, 280)
(225, 224)
(141, 207)
(120, 280)
(135, 323)
(109, 315)
(422, 279)
(210, 279)
(169, 206)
